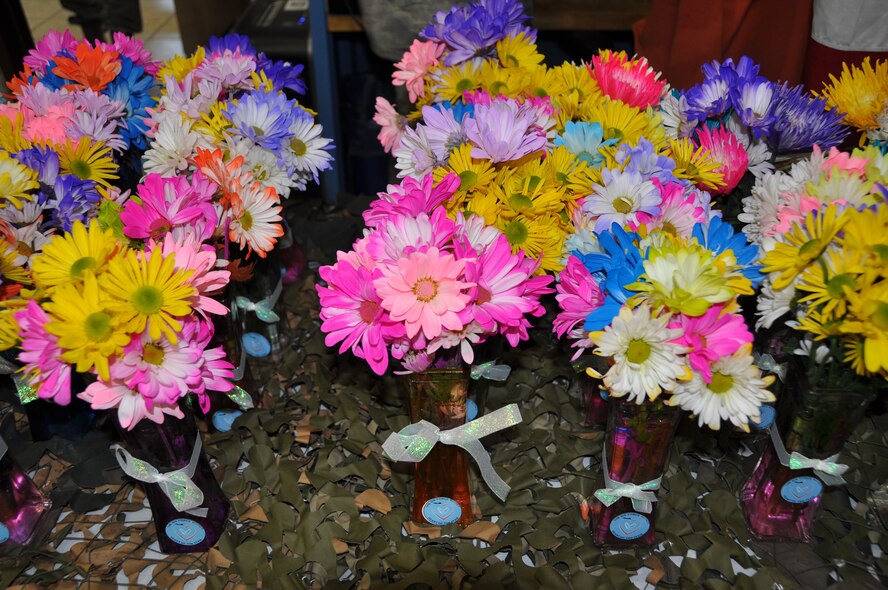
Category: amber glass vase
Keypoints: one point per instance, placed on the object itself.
(780, 503)
(441, 490)
(637, 442)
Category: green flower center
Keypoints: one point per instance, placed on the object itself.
(810, 249)
(81, 265)
(97, 326)
(880, 316)
(881, 251)
(298, 147)
(368, 310)
(533, 182)
(516, 232)
(425, 289)
(81, 169)
(622, 205)
(519, 202)
(512, 60)
(497, 88)
(638, 351)
(258, 131)
(467, 180)
(562, 177)
(246, 221)
(540, 92)
(152, 354)
(721, 383)
(614, 133)
(463, 85)
(836, 285)
(147, 300)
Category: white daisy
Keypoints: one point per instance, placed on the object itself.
(760, 207)
(476, 231)
(174, 143)
(464, 339)
(645, 361)
(621, 198)
(736, 392)
(256, 221)
(673, 110)
(307, 151)
(30, 212)
(772, 305)
(583, 240)
(263, 163)
(757, 151)
(415, 157)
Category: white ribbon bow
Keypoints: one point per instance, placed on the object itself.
(766, 362)
(827, 469)
(177, 485)
(415, 441)
(642, 495)
(490, 370)
(264, 308)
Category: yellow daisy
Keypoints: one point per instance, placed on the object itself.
(12, 134)
(88, 161)
(860, 93)
(867, 233)
(68, 256)
(16, 180)
(147, 290)
(498, 80)
(826, 284)
(576, 82)
(566, 169)
(453, 81)
(9, 269)
(820, 325)
(529, 195)
(540, 237)
(802, 245)
(619, 121)
(485, 204)
(854, 355)
(212, 124)
(9, 330)
(518, 51)
(179, 66)
(543, 82)
(868, 315)
(88, 331)
(474, 174)
(695, 164)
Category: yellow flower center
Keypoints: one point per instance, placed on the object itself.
(298, 146)
(467, 180)
(147, 300)
(622, 205)
(425, 289)
(152, 354)
(81, 265)
(638, 351)
(81, 169)
(97, 326)
(516, 232)
(246, 221)
(721, 383)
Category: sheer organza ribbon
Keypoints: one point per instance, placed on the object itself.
(642, 495)
(490, 370)
(177, 485)
(827, 469)
(413, 442)
(264, 308)
(766, 362)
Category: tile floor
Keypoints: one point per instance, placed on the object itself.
(160, 30)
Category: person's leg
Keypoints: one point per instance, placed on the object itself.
(87, 14)
(123, 16)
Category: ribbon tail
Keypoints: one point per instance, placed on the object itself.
(198, 512)
(497, 485)
(641, 505)
(828, 478)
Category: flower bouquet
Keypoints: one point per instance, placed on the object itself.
(425, 289)
(821, 228)
(136, 324)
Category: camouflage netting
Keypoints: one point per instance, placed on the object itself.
(316, 506)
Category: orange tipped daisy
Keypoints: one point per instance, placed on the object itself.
(91, 67)
(256, 221)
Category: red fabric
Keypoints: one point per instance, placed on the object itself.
(678, 36)
(823, 61)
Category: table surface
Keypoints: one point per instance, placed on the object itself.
(315, 505)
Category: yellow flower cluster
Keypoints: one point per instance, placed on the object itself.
(861, 93)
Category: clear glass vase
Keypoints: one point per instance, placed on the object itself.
(169, 447)
(637, 440)
(442, 492)
(780, 503)
(23, 508)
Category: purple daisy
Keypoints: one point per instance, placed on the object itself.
(801, 121)
(504, 130)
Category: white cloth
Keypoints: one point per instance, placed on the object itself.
(851, 25)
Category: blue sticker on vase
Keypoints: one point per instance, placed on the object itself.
(471, 410)
(630, 525)
(256, 345)
(766, 418)
(4, 533)
(799, 490)
(185, 531)
(223, 419)
(441, 511)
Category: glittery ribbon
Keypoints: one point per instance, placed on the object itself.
(264, 308)
(177, 485)
(491, 370)
(642, 495)
(415, 441)
(827, 469)
(23, 387)
(239, 395)
(766, 362)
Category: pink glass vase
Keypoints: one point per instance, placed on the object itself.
(23, 509)
(637, 444)
(780, 503)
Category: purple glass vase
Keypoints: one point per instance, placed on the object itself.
(168, 447)
(23, 509)
(780, 503)
(637, 444)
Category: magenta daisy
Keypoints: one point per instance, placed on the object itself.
(411, 197)
(578, 296)
(401, 235)
(425, 290)
(417, 62)
(216, 373)
(631, 81)
(352, 314)
(42, 356)
(710, 337)
(168, 203)
(680, 209)
(725, 148)
(256, 219)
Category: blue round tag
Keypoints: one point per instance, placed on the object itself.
(223, 419)
(799, 490)
(603, 394)
(471, 410)
(630, 525)
(4, 533)
(441, 511)
(185, 531)
(766, 418)
(256, 344)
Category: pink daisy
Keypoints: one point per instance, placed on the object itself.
(726, 149)
(135, 50)
(417, 62)
(411, 197)
(131, 406)
(191, 254)
(392, 123)
(256, 219)
(46, 49)
(710, 337)
(844, 162)
(40, 352)
(352, 314)
(169, 203)
(578, 295)
(425, 291)
(631, 81)
(403, 234)
(216, 372)
(680, 210)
